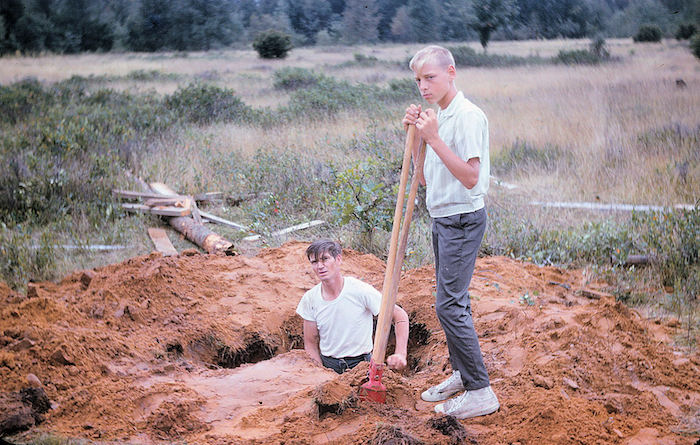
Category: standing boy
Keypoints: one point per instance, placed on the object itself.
(455, 171)
(338, 314)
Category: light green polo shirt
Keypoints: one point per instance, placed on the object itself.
(465, 130)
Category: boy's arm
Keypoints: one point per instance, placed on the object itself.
(400, 319)
(467, 172)
(311, 340)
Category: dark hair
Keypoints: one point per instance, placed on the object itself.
(319, 247)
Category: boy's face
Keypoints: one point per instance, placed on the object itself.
(435, 82)
(326, 266)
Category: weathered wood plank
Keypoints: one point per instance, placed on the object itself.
(140, 195)
(301, 226)
(215, 219)
(161, 241)
(162, 211)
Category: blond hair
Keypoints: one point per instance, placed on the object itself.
(433, 53)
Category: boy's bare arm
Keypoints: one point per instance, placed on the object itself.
(467, 172)
(400, 319)
(311, 339)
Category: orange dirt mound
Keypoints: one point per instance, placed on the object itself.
(206, 349)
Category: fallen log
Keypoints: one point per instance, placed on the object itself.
(201, 236)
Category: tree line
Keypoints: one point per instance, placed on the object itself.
(72, 26)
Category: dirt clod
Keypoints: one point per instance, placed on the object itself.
(450, 426)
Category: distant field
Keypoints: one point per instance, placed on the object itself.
(625, 131)
(616, 132)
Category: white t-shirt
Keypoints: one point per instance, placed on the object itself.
(344, 324)
(465, 130)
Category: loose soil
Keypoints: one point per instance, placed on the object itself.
(206, 349)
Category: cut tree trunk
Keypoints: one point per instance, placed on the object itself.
(201, 236)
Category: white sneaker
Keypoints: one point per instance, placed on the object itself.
(470, 404)
(444, 390)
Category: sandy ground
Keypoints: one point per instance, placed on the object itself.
(204, 349)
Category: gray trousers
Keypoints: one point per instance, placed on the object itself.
(456, 241)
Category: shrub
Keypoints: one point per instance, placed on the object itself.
(404, 88)
(364, 60)
(23, 259)
(65, 159)
(19, 99)
(599, 48)
(685, 31)
(293, 78)
(596, 53)
(695, 45)
(203, 104)
(576, 57)
(672, 239)
(363, 194)
(648, 33)
(272, 44)
(329, 96)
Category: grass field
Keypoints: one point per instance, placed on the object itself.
(623, 131)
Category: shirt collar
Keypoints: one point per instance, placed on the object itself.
(452, 107)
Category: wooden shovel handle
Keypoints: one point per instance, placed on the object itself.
(394, 261)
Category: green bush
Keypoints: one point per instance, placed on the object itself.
(71, 150)
(695, 45)
(364, 60)
(672, 240)
(596, 53)
(648, 33)
(363, 193)
(576, 57)
(591, 243)
(685, 31)
(23, 259)
(204, 104)
(272, 44)
(330, 96)
(19, 99)
(293, 78)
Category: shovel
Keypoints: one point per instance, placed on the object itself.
(374, 390)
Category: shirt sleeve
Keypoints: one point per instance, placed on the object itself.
(373, 298)
(469, 134)
(304, 308)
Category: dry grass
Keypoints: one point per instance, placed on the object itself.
(596, 113)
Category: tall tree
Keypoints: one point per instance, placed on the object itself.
(401, 27)
(149, 30)
(360, 21)
(10, 13)
(424, 15)
(308, 17)
(387, 12)
(490, 15)
(457, 16)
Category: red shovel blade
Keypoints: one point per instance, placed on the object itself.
(374, 390)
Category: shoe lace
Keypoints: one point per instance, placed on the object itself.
(449, 382)
(456, 402)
